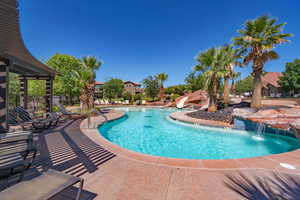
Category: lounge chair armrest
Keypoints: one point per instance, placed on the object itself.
(17, 136)
(24, 149)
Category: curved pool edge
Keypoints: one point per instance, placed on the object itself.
(270, 162)
(182, 117)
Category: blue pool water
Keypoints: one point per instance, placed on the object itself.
(150, 131)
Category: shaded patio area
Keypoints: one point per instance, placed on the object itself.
(64, 148)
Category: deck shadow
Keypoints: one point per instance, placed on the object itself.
(65, 148)
(276, 186)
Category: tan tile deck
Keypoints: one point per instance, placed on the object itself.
(121, 177)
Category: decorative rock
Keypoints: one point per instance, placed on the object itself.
(197, 97)
(295, 126)
(281, 117)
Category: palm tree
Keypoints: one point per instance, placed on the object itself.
(86, 79)
(82, 78)
(257, 41)
(231, 59)
(234, 77)
(161, 77)
(211, 62)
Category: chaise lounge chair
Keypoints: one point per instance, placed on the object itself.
(64, 111)
(37, 123)
(45, 186)
(17, 152)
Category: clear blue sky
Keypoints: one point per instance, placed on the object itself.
(137, 38)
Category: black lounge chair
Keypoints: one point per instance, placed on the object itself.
(38, 123)
(55, 117)
(17, 152)
(45, 186)
(17, 125)
(64, 111)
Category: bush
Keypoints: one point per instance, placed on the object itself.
(127, 96)
(173, 97)
(55, 109)
(138, 97)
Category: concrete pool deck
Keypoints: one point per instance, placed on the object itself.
(70, 148)
(134, 176)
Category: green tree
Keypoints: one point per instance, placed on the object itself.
(151, 87)
(65, 83)
(138, 97)
(113, 88)
(177, 89)
(36, 92)
(195, 81)
(211, 64)
(127, 96)
(290, 80)
(14, 89)
(231, 56)
(161, 78)
(257, 41)
(244, 85)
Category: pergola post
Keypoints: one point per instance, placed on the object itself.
(23, 92)
(49, 94)
(4, 80)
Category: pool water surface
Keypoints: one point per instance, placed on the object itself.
(151, 131)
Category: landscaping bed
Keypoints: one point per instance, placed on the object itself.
(223, 115)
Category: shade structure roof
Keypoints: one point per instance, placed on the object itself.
(12, 47)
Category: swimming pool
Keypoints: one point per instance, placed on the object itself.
(151, 131)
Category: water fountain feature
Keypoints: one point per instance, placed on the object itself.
(259, 132)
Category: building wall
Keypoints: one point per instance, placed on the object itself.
(272, 91)
(128, 87)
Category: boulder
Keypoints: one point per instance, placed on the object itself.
(198, 97)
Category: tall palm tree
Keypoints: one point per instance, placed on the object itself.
(257, 41)
(211, 62)
(82, 78)
(235, 76)
(231, 59)
(161, 77)
(87, 77)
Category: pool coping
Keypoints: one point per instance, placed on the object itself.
(182, 117)
(263, 162)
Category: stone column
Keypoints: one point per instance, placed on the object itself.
(49, 94)
(23, 92)
(4, 75)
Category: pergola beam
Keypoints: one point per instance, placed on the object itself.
(23, 92)
(4, 71)
(49, 94)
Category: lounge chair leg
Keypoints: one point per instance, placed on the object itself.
(21, 176)
(79, 190)
(6, 182)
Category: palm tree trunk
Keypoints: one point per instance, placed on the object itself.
(212, 104)
(257, 89)
(161, 93)
(226, 91)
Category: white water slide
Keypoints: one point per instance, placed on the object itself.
(180, 104)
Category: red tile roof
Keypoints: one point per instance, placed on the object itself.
(136, 84)
(99, 83)
(271, 78)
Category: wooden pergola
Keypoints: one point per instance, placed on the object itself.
(14, 57)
